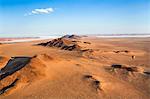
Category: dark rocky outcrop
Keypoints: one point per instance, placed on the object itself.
(20, 70)
(62, 43)
(70, 43)
(147, 72)
(96, 84)
(122, 51)
(13, 65)
(4, 89)
(129, 69)
(87, 42)
(71, 37)
(116, 66)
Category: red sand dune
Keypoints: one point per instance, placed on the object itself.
(100, 69)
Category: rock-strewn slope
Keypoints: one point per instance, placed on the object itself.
(64, 43)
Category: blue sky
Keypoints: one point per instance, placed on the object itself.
(51, 17)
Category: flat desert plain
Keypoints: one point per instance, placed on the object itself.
(76, 68)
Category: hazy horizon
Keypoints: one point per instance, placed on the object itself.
(59, 17)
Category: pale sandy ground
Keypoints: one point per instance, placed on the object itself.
(65, 71)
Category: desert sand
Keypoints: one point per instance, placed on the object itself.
(75, 67)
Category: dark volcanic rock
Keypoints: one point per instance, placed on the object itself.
(3, 90)
(71, 37)
(20, 70)
(116, 66)
(62, 43)
(13, 65)
(129, 69)
(87, 42)
(147, 72)
(122, 51)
